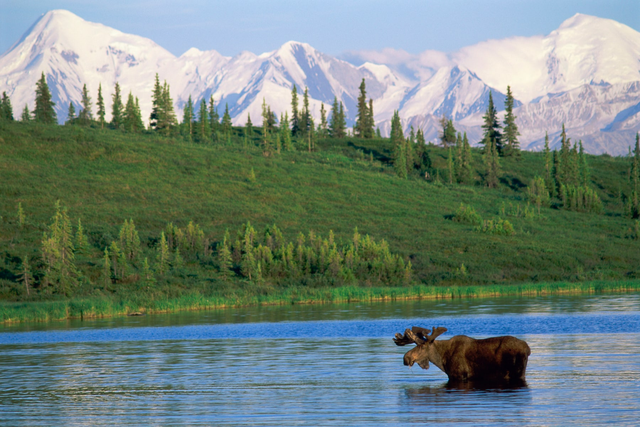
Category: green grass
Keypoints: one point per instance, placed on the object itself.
(105, 177)
(97, 307)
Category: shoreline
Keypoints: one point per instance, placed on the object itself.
(103, 307)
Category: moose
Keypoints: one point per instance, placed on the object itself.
(498, 359)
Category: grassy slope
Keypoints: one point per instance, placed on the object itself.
(105, 176)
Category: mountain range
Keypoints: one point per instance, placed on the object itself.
(585, 74)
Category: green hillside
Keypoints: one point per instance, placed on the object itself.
(104, 177)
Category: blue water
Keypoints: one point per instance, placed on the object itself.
(322, 365)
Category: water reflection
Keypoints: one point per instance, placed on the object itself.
(419, 309)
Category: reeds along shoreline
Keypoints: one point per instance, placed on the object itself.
(107, 307)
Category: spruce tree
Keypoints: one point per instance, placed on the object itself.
(548, 165)
(214, 117)
(100, 104)
(451, 167)
(491, 127)
(71, 114)
(132, 120)
(333, 122)
(362, 118)
(564, 169)
(342, 122)
(156, 105)
(285, 132)
(492, 163)
(585, 173)
(204, 129)
(226, 121)
(266, 137)
(371, 122)
(44, 111)
(510, 130)
(448, 136)
(168, 121)
(295, 118)
(399, 147)
(26, 114)
(464, 174)
(117, 109)
(322, 128)
(85, 116)
(187, 120)
(304, 116)
(6, 110)
(248, 128)
(25, 273)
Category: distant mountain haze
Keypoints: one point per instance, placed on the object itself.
(585, 74)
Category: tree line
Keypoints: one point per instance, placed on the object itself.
(258, 257)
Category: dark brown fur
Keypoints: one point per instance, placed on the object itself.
(502, 359)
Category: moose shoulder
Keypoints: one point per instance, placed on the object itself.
(462, 358)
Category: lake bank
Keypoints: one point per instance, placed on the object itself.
(99, 307)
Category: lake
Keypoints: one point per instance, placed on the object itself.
(322, 365)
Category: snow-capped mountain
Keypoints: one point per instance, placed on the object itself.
(585, 74)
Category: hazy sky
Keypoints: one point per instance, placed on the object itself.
(331, 26)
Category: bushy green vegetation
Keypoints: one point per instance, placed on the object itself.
(90, 214)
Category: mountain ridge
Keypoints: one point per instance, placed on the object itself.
(573, 59)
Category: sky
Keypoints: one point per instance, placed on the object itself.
(331, 26)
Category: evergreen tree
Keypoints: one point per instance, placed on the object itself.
(44, 111)
(225, 262)
(132, 118)
(163, 255)
(491, 127)
(362, 126)
(464, 174)
(304, 116)
(548, 166)
(6, 110)
(564, 161)
(585, 173)
(26, 114)
(285, 132)
(399, 146)
(156, 105)
(333, 122)
(100, 104)
(510, 130)
(71, 114)
(226, 121)
(214, 117)
(323, 127)
(295, 119)
(117, 109)
(342, 122)
(451, 167)
(249, 127)
(58, 252)
(169, 120)
(491, 161)
(85, 116)
(203, 129)
(266, 137)
(187, 120)
(371, 122)
(634, 175)
(448, 136)
(25, 273)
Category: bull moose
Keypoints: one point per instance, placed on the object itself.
(497, 359)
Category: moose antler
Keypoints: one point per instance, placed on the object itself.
(418, 335)
(415, 335)
(436, 333)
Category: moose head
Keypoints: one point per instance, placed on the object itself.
(425, 351)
